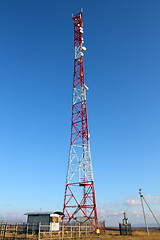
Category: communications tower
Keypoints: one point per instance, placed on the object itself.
(79, 200)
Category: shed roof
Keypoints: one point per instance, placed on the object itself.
(43, 213)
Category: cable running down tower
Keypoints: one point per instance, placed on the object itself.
(79, 197)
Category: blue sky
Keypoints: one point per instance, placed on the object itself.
(36, 76)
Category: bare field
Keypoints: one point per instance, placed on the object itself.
(137, 235)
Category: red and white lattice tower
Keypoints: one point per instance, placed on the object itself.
(79, 197)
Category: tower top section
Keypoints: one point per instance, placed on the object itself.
(78, 31)
(77, 14)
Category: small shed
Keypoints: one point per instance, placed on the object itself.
(50, 219)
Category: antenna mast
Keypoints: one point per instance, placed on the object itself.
(79, 199)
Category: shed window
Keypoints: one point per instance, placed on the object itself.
(55, 219)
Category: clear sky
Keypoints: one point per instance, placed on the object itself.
(122, 71)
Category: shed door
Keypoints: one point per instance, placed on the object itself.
(54, 226)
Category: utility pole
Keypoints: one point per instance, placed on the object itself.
(143, 198)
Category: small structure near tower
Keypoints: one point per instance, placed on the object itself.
(50, 219)
(125, 227)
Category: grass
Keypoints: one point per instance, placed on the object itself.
(113, 235)
(137, 235)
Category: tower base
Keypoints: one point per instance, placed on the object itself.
(77, 207)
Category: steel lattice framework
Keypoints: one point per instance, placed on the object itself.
(79, 197)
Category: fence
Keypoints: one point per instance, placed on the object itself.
(42, 232)
(68, 232)
(16, 231)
